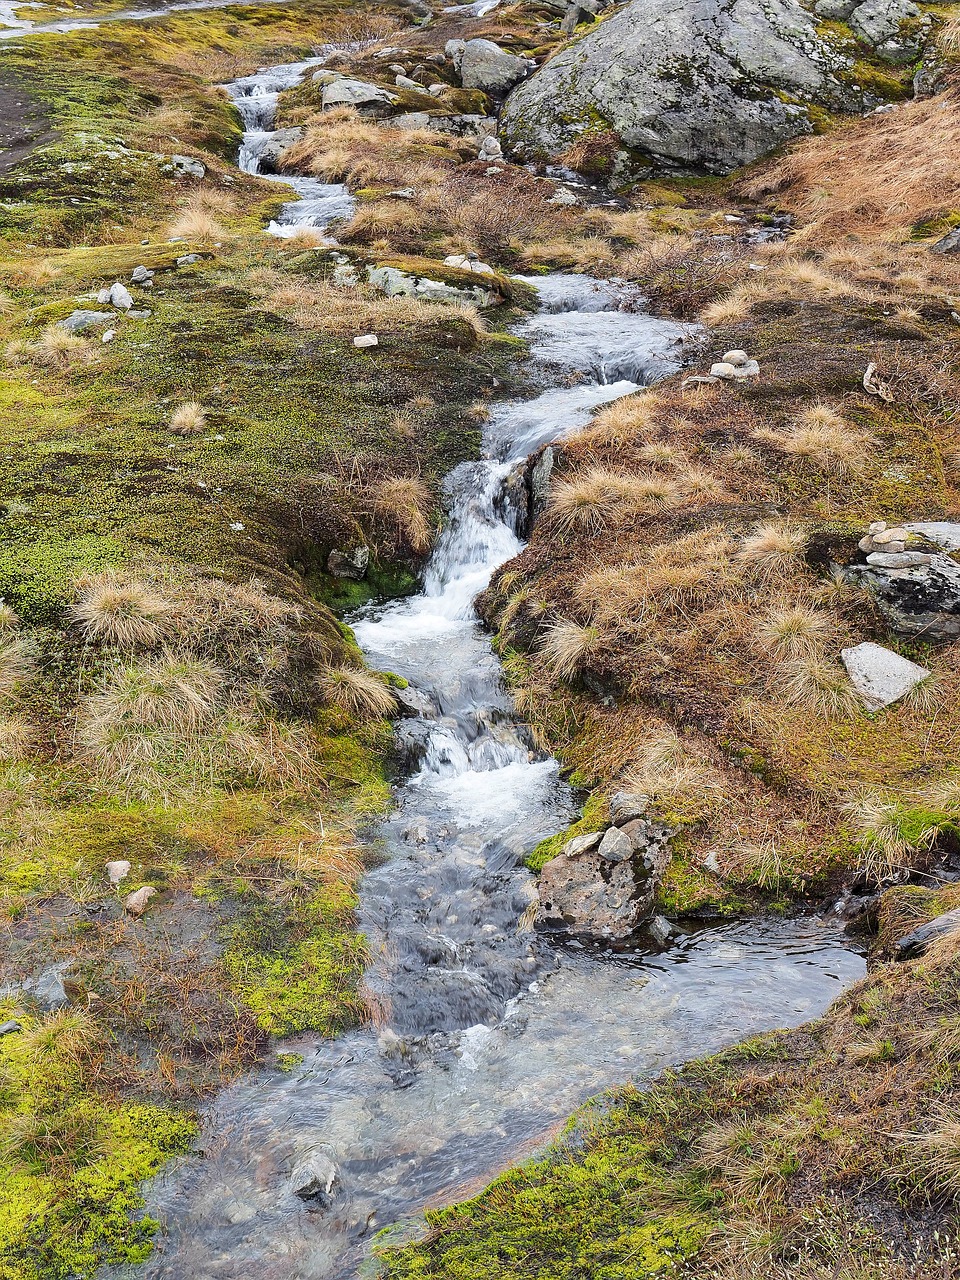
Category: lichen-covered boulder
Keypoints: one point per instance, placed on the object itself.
(602, 885)
(696, 85)
(485, 66)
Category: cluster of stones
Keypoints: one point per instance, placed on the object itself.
(734, 366)
(602, 885)
(887, 548)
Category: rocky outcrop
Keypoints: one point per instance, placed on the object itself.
(918, 600)
(690, 84)
(602, 885)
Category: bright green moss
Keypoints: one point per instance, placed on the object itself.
(595, 817)
(71, 1162)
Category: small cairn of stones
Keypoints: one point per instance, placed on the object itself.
(734, 366)
(886, 548)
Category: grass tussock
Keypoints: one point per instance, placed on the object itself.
(599, 496)
(358, 693)
(188, 419)
(774, 549)
(127, 613)
(406, 505)
(567, 648)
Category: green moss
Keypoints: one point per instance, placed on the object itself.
(72, 1162)
(595, 817)
(687, 890)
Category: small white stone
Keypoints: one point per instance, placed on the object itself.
(237, 526)
(136, 902)
(723, 370)
(367, 340)
(120, 296)
(117, 871)
(735, 357)
(879, 675)
(108, 335)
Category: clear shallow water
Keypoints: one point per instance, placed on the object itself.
(487, 1036)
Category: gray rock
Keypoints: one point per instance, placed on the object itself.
(485, 66)
(141, 275)
(896, 29)
(917, 941)
(589, 896)
(616, 846)
(834, 10)
(79, 321)
(352, 563)
(582, 844)
(626, 806)
(368, 99)
(898, 558)
(687, 84)
(950, 243)
(879, 675)
(188, 259)
(120, 296)
(454, 50)
(270, 153)
(314, 1179)
(943, 533)
(540, 474)
(414, 702)
(662, 931)
(186, 166)
(404, 82)
(412, 120)
(48, 989)
(9, 1027)
(923, 600)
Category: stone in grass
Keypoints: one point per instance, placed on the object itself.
(366, 340)
(879, 675)
(136, 902)
(78, 321)
(117, 871)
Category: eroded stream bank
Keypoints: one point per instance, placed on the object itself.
(487, 1035)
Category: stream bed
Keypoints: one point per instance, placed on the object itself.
(487, 1035)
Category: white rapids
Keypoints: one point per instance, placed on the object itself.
(488, 1036)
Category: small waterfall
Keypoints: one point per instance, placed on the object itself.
(488, 1036)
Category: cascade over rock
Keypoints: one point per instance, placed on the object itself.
(693, 84)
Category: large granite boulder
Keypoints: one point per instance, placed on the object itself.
(602, 885)
(920, 600)
(695, 85)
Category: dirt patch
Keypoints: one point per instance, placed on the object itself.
(24, 124)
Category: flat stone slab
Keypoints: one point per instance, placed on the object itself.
(943, 533)
(879, 675)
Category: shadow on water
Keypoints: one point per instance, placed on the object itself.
(488, 1036)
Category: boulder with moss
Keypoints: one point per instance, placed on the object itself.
(694, 85)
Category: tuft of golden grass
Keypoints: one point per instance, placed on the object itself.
(823, 437)
(406, 503)
(794, 630)
(16, 738)
(197, 224)
(359, 693)
(774, 549)
(17, 667)
(811, 681)
(932, 1155)
(188, 419)
(57, 348)
(567, 646)
(126, 613)
(672, 777)
(598, 497)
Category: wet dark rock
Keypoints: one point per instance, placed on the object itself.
(49, 989)
(314, 1181)
(663, 931)
(917, 941)
(414, 702)
(351, 564)
(917, 600)
(539, 482)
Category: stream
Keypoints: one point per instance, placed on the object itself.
(487, 1036)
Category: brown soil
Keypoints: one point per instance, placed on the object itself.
(24, 125)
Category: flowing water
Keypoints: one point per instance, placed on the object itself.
(489, 1036)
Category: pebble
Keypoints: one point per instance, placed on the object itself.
(136, 902)
(7, 1028)
(366, 340)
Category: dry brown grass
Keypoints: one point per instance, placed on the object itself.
(567, 647)
(406, 504)
(823, 438)
(127, 613)
(57, 348)
(795, 630)
(361, 694)
(17, 667)
(197, 224)
(773, 550)
(872, 176)
(188, 419)
(598, 497)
